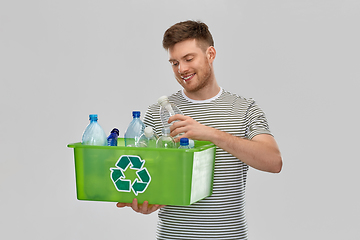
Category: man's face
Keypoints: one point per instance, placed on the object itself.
(190, 64)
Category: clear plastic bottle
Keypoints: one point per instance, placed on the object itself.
(167, 109)
(165, 141)
(184, 143)
(112, 138)
(94, 134)
(148, 138)
(134, 130)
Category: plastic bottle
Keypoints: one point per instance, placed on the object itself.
(148, 138)
(134, 130)
(184, 143)
(167, 109)
(165, 141)
(112, 138)
(94, 134)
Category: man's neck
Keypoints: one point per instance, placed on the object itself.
(207, 92)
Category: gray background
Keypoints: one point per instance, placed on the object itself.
(61, 60)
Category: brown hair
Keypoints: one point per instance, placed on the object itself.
(187, 30)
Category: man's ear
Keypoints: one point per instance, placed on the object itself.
(211, 54)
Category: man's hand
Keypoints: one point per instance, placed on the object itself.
(144, 208)
(190, 128)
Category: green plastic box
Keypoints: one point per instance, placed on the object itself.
(159, 176)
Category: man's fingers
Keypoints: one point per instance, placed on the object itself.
(144, 208)
(176, 117)
(120, 205)
(135, 205)
(156, 207)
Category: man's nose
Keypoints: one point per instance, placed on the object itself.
(182, 68)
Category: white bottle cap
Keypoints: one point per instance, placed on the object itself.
(148, 132)
(162, 100)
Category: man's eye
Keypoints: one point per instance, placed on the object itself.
(189, 59)
(174, 64)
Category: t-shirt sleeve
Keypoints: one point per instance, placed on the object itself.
(257, 122)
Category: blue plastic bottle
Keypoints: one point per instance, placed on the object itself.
(112, 138)
(94, 134)
(134, 130)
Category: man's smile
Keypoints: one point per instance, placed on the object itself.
(187, 77)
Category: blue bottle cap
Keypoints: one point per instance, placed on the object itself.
(93, 117)
(136, 113)
(115, 130)
(184, 141)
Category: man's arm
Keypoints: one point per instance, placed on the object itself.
(261, 152)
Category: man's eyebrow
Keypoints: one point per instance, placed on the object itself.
(189, 54)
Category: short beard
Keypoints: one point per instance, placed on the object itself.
(204, 80)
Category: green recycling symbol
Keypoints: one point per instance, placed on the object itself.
(124, 185)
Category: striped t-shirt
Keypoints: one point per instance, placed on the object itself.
(221, 215)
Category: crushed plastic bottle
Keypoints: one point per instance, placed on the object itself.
(112, 138)
(148, 138)
(165, 141)
(134, 130)
(94, 134)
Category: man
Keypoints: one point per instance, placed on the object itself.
(237, 126)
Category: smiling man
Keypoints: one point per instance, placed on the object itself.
(236, 125)
(193, 69)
